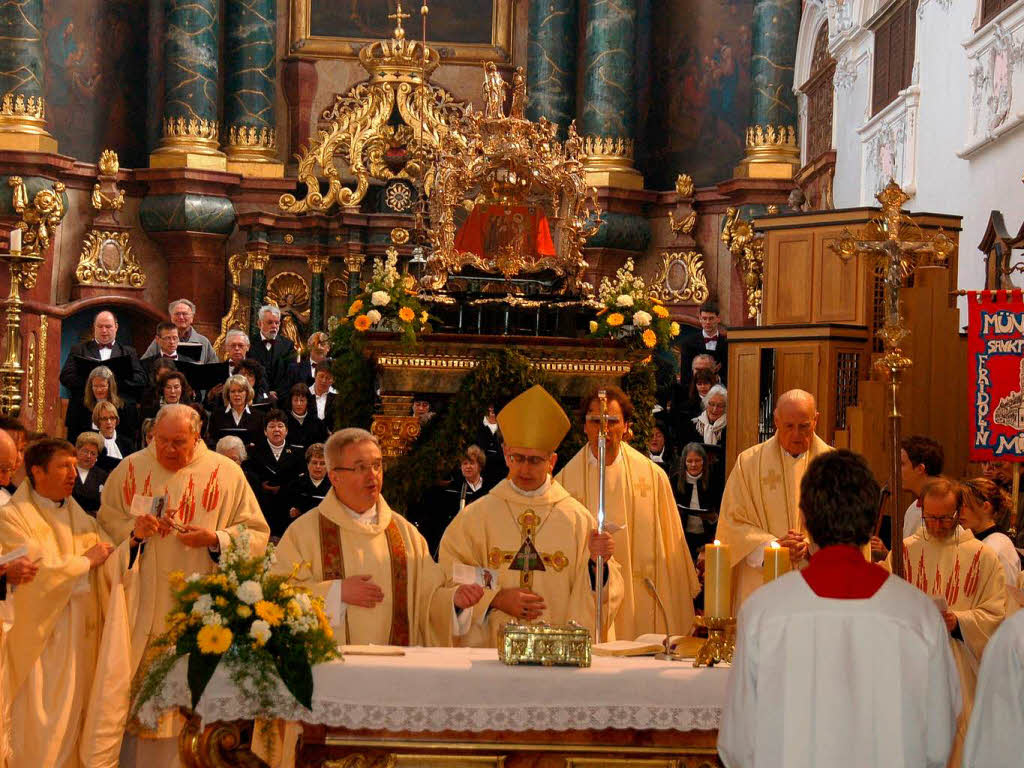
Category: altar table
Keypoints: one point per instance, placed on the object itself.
(458, 707)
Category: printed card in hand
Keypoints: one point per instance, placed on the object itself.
(467, 574)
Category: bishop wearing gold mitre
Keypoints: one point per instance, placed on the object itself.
(532, 534)
(372, 567)
(761, 502)
(641, 511)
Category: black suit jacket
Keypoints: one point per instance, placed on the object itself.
(87, 494)
(694, 345)
(299, 373)
(275, 360)
(78, 419)
(125, 444)
(70, 378)
(277, 472)
(303, 495)
(301, 436)
(222, 423)
(329, 410)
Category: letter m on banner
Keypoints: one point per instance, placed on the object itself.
(995, 374)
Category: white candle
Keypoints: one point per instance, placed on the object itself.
(776, 562)
(717, 581)
(15, 241)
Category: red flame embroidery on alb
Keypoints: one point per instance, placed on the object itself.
(211, 493)
(953, 587)
(973, 575)
(187, 505)
(128, 487)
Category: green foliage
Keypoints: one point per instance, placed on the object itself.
(640, 385)
(353, 378)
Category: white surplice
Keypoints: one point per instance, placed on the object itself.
(995, 737)
(824, 682)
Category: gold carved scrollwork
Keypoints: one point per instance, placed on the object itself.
(360, 130)
(681, 278)
(683, 220)
(747, 249)
(44, 327)
(40, 217)
(218, 745)
(237, 317)
(107, 259)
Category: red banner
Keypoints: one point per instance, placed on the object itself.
(995, 374)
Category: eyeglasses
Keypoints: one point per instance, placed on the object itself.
(533, 461)
(360, 468)
(944, 520)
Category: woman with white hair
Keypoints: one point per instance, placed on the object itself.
(709, 427)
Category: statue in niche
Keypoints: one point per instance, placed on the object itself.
(519, 94)
(494, 91)
(290, 293)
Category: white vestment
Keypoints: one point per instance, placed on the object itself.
(995, 737)
(813, 682)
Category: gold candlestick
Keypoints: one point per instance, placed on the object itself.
(721, 642)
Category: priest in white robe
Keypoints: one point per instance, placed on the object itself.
(761, 502)
(209, 501)
(965, 578)
(995, 736)
(840, 664)
(51, 649)
(532, 536)
(641, 514)
(372, 567)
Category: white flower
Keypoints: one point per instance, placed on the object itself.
(304, 603)
(213, 618)
(260, 631)
(380, 298)
(194, 577)
(374, 316)
(249, 592)
(641, 319)
(203, 605)
(624, 300)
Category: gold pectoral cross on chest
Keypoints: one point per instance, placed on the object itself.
(527, 559)
(771, 480)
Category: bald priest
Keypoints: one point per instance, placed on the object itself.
(371, 566)
(529, 532)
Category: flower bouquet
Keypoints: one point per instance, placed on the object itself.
(631, 313)
(260, 625)
(388, 302)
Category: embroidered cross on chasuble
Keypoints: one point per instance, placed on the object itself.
(333, 563)
(527, 558)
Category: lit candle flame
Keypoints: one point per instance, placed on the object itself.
(718, 543)
(775, 545)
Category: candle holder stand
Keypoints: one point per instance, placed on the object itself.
(721, 643)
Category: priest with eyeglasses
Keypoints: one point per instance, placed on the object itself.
(530, 534)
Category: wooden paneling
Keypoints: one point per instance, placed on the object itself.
(744, 398)
(839, 293)
(789, 278)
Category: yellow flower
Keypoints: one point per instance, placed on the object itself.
(406, 314)
(593, 327)
(424, 316)
(216, 580)
(343, 321)
(674, 329)
(615, 319)
(650, 339)
(356, 306)
(362, 323)
(244, 611)
(269, 612)
(220, 601)
(214, 639)
(660, 311)
(177, 580)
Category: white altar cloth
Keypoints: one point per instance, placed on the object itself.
(468, 689)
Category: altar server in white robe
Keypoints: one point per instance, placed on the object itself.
(51, 650)
(841, 664)
(995, 737)
(946, 561)
(761, 502)
(641, 510)
(372, 567)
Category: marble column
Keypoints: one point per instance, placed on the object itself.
(257, 290)
(317, 263)
(250, 86)
(22, 68)
(551, 61)
(607, 112)
(190, 127)
(772, 151)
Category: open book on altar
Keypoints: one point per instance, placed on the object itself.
(649, 645)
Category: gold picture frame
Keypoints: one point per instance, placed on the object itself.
(302, 43)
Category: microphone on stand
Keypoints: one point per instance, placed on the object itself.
(666, 656)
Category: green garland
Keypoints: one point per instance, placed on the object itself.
(353, 379)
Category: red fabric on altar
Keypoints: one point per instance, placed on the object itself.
(841, 572)
(489, 227)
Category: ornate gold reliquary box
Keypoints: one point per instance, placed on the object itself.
(565, 646)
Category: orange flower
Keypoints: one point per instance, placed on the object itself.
(646, 360)
(660, 311)
(615, 319)
(650, 339)
(356, 306)
(362, 323)
(406, 314)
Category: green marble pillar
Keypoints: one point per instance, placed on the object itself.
(317, 298)
(258, 290)
(22, 69)
(772, 150)
(551, 61)
(607, 112)
(191, 76)
(250, 81)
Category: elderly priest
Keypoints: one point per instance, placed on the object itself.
(647, 530)
(761, 503)
(371, 566)
(531, 533)
(840, 664)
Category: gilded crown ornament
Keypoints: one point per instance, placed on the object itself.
(23, 123)
(399, 59)
(17, 105)
(772, 152)
(771, 136)
(192, 128)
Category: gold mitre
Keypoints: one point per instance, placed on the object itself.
(533, 420)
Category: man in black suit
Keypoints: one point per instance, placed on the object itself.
(104, 346)
(275, 463)
(273, 351)
(710, 341)
(318, 346)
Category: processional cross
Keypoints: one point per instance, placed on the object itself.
(893, 239)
